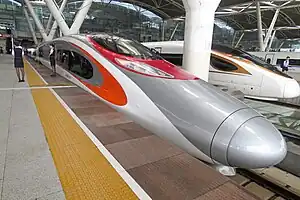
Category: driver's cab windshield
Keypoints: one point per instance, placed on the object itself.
(125, 47)
(242, 54)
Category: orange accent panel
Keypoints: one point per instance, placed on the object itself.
(110, 90)
(250, 63)
(240, 69)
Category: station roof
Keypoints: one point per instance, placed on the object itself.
(243, 17)
(174, 8)
(239, 14)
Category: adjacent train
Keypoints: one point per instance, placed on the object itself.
(173, 104)
(237, 69)
(277, 58)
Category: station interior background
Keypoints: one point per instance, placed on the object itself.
(143, 23)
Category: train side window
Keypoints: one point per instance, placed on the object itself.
(221, 64)
(80, 65)
(62, 58)
(107, 43)
(292, 61)
(173, 58)
(58, 57)
(42, 51)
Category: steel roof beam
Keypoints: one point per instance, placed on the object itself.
(271, 7)
(58, 17)
(30, 26)
(268, 35)
(36, 20)
(156, 10)
(54, 26)
(80, 16)
(281, 28)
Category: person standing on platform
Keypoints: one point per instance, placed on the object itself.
(285, 64)
(52, 60)
(18, 54)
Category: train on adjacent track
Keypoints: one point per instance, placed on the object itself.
(238, 70)
(277, 58)
(171, 103)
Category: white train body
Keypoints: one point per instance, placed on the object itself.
(276, 58)
(237, 69)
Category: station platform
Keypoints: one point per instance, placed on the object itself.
(59, 142)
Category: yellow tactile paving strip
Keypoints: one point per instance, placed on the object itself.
(53, 85)
(35, 80)
(83, 170)
(32, 78)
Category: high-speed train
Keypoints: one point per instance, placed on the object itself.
(171, 103)
(237, 69)
(277, 58)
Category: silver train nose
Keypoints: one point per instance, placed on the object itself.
(255, 143)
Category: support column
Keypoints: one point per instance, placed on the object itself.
(199, 25)
(12, 45)
(240, 39)
(49, 23)
(268, 35)
(80, 16)
(36, 20)
(54, 26)
(233, 39)
(30, 26)
(174, 31)
(271, 41)
(281, 44)
(259, 26)
(163, 31)
(57, 16)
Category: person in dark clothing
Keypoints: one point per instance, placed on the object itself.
(18, 54)
(285, 64)
(52, 60)
(71, 59)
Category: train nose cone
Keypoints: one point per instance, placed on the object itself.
(256, 144)
(291, 89)
(247, 140)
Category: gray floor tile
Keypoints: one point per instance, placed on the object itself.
(30, 172)
(1, 182)
(5, 107)
(26, 138)
(7, 78)
(29, 180)
(2, 153)
(54, 196)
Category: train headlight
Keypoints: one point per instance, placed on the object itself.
(143, 68)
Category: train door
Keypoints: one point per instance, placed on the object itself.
(158, 49)
(269, 58)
